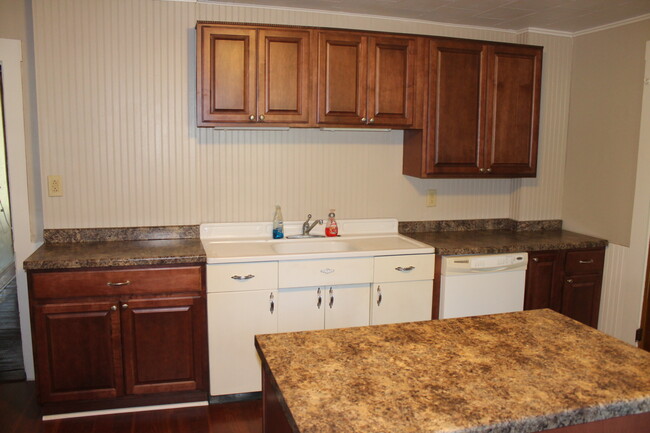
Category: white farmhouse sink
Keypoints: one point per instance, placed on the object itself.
(312, 246)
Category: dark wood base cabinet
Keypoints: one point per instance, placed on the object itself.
(568, 282)
(120, 337)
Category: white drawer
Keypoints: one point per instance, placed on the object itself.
(305, 273)
(413, 267)
(236, 277)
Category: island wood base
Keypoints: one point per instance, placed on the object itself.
(276, 418)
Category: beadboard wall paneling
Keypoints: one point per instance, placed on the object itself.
(612, 291)
(115, 87)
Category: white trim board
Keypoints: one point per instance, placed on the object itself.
(124, 410)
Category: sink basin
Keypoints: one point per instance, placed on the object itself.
(305, 247)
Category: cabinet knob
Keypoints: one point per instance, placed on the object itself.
(372, 120)
(489, 170)
(251, 117)
(261, 118)
(482, 170)
(125, 306)
(114, 308)
(363, 120)
(569, 281)
(535, 259)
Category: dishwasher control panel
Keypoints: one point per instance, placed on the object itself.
(484, 263)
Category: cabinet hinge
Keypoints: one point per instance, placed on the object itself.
(639, 334)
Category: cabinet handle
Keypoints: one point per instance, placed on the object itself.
(245, 277)
(586, 262)
(331, 297)
(327, 270)
(379, 296)
(251, 117)
(272, 303)
(535, 259)
(320, 298)
(363, 120)
(569, 281)
(406, 269)
(125, 306)
(124, 283)
(114, 308)
(261, 118)
(372, 120)
(489, 170)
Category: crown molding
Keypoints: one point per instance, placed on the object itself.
(612, 25)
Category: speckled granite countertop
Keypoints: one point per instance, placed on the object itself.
(71, 255)
(504, 241)
(517, 372)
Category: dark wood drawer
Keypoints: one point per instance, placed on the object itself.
(584, 262)
(70, 284)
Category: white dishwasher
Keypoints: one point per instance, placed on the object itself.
(475, 285)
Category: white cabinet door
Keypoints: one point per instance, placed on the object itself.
(408, 301)
(301, 309)
(234, 318)
(347, 305)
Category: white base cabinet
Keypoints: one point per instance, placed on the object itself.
(406, 301)
(326, 307)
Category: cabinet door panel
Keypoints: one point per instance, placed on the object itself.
(342, 78)
(391, 81)
(543, 280)
(163, 344)
(301, 309)
(283, 76)
(78, 351)
(233, 321)
(513, 113)
(581, 298)
(347, 305)
(406, 301)
(226, 79)
(457, 91)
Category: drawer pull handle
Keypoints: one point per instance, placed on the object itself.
(406, 269)
(327, 270)
(245, 277)
(379, 296)
(124, 283)
(272, 303)
(331, 297)
(320, 298)
(586, 262)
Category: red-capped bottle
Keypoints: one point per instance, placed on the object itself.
(331, 229)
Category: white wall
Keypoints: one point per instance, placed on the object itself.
(115, 82)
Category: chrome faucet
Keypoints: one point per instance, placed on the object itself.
(306, 228)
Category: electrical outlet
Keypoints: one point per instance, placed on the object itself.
(431, 198)
(54, 186)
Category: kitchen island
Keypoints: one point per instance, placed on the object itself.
(517, 372)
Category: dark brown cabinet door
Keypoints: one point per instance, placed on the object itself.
(542, 280)
(391, 85)
(457, 92)
(226, 81)
(342, 78)
(513, 110)
(283, 76)
(163, 344)
(581, 298)
(78, 351)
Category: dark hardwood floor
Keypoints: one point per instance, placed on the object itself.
(19, 413)
(11, 352)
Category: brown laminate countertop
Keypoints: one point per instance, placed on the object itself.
(504, 241)
(72, 255)
(518, 372)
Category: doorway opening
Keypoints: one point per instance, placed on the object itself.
(11, 359)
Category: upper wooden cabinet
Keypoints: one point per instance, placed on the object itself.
(366, 79)
(252, 75)
(482, 113)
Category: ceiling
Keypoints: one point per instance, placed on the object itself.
(559, 15)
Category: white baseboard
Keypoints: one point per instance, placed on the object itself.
(124, 410)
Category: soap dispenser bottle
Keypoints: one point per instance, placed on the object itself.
(278, 224)
(331, 229)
